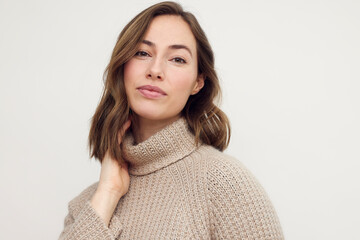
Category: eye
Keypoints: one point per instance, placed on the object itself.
(141, 54)
(178, 60)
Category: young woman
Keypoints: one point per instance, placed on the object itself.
(160, 137)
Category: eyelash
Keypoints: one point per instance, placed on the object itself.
(178, 60)
(142, 54)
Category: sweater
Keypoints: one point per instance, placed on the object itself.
(178, 190)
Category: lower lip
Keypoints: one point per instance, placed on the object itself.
(151, 94)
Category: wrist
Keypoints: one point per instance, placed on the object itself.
(108, 191)
(104, 203)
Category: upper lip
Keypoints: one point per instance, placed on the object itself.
(152, 88)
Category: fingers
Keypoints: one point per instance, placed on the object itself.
(125, 166)
(107, 157)
(123, 130)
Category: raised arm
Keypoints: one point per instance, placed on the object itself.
(91, 212)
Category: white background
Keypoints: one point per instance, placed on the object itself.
(290, 77)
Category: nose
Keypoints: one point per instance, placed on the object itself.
(155, 70)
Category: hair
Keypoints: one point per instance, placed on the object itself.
(206, 121)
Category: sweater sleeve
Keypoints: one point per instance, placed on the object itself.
(82, 222)
(239, 207)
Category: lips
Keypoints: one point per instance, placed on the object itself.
(149, 91)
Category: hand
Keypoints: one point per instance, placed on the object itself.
(115, 178)
(114, 183)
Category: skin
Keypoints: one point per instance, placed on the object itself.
(159, 63)
(167, 59)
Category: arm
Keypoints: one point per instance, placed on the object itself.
(87, 224)
(90, 219)
(239, 207)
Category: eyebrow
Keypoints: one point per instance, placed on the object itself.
(174, 46)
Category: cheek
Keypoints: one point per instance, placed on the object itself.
(132, 74)
(129, 71)
(184, 81)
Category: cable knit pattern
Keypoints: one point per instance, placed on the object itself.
(179, 191)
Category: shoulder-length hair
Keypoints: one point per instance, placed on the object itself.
(207, 122)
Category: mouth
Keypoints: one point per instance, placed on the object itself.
(153, 92)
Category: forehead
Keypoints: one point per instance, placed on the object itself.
(167, 30)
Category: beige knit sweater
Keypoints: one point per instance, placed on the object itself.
(179, 191)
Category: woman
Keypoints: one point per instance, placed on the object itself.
(165, 177)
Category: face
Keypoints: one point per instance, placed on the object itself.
(163, 73)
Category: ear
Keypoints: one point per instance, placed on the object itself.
(200, 82)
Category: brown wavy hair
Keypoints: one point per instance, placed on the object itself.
(208, 123)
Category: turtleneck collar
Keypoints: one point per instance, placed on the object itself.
(165, 147)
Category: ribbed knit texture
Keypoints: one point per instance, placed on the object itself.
(179, 191)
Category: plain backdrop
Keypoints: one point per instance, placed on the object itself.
(290, 77)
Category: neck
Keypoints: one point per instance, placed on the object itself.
(143, 128)
(168, 145)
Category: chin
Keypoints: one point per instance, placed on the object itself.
(148, 113)
(155, 114)
(155, 111)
